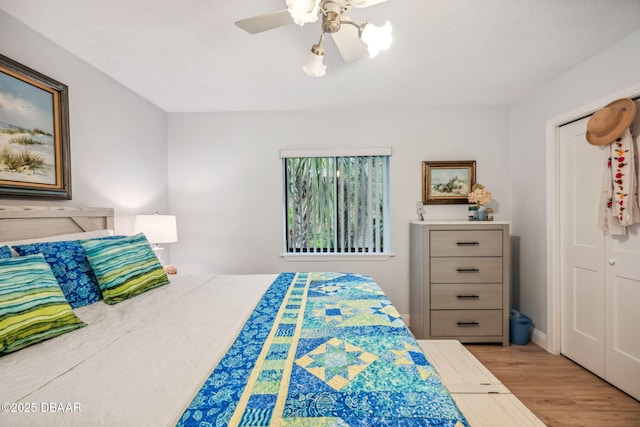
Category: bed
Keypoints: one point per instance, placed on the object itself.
(298, 348)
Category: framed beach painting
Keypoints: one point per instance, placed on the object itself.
(447, 182)
(34, 134)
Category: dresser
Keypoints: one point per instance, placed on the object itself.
(459, 280)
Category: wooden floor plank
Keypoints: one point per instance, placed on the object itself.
(557, 390)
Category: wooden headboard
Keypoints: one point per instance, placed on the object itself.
(31, 222)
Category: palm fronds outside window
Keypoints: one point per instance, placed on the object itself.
(337, 205)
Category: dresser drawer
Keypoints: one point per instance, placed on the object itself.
(466, 270)
(466, 296)
(465, 323)
(466, 243)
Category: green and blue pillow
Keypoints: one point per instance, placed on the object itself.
(70, 266)
(124, 267)
(32, 305)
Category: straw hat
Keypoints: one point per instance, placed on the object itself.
(609, 123)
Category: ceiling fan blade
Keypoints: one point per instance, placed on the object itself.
(365, 3)
(269, 21)
(348, 42)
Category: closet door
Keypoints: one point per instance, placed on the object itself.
(582, 250)
(622, 352)
(600, 275)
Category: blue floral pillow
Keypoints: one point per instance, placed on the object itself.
(5, 252)
(69, 264)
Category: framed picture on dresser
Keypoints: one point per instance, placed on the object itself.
(34, 134)
(447, 182)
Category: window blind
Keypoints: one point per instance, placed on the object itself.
(337, 204)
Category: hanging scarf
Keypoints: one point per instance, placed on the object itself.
(619, 198)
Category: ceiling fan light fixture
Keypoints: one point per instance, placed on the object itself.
(303, 11)
(313, 65)
(376, 38)
(350, 42)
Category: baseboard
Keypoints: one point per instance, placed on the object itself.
(539, 338)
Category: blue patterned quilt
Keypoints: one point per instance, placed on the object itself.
(323, 349)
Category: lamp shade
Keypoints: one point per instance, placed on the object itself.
(377, 39)
(303, 11)
(313, 65)
(157, 228)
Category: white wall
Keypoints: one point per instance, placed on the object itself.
(225, 175)
(224, 169)
(225, 180)
(613, 70)
(118, 139)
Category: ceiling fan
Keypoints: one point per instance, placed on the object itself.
(353, 40)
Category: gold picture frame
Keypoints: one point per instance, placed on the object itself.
(447, 182)
(35, 157)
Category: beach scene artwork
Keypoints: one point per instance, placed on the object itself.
(27, 129)
(449, 182)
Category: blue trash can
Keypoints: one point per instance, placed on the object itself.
(519, 326)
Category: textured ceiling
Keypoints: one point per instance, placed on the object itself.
(187, 55)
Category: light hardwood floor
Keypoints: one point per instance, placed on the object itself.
(557, 390)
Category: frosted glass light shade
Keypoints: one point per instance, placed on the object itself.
(314, 66)
(303, 11)
(377, 39)
(157, 228)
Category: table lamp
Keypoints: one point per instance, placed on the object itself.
(158, 229)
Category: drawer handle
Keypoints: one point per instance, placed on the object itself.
(462, 324)
(468, 297)
(468, 270)
(468, 243)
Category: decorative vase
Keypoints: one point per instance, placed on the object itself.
(473, 213)
(482, 213)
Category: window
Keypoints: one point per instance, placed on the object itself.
(336, 202)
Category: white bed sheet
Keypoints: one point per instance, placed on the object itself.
(137, 363)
